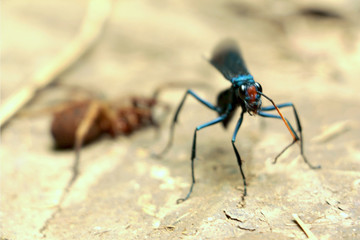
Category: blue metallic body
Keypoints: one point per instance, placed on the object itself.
(228, 60)
(242, 79)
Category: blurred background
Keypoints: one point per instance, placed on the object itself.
(303, 52)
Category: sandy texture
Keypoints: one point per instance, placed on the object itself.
(300, 52)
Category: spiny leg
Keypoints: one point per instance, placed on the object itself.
(84, 126)
(237, 152)
(270, 108)
(172, 127)
(81, 131)
(193, 152)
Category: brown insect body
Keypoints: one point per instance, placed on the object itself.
(97, 118)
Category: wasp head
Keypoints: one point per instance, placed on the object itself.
(249, 94)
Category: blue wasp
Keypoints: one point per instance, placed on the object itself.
(245, 93)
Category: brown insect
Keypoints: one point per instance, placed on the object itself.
(85, 121)
(82, 122)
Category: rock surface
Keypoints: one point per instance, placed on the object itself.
(299, 51)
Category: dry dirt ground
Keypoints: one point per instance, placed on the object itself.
(299, 51)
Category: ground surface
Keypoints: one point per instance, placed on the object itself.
(304, 53)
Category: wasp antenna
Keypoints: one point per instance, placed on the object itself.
(282, 117)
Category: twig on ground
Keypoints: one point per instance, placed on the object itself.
(302, 225)
(91, 28)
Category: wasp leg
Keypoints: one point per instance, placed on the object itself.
(237, 152)
(270, 108)
(172, 127)
(193, 152)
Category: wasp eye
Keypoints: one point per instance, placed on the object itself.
(258, 86)
(242, 90)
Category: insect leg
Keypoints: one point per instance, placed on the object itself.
(270, 108)
(278, 117)
(172, 127)
(193, 152)
(237, 152)
(81, 131)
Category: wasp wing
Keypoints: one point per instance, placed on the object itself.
(228, 60)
